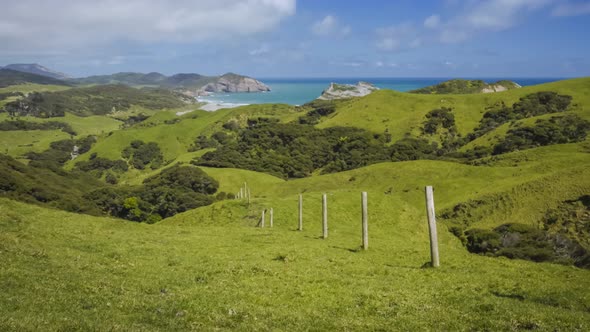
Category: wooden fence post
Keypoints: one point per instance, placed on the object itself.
(325, 216)
(271, 217)
(434, 259)
(241, 193)
(365, 220)
(245, 190)
(300, 228)
(262, 221)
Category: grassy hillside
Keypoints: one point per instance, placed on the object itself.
(14, 92)
(461, 86)
(210, 268)
(17, 143)
(176, 134)
(404, 113)
(401, 114)
(95, 100)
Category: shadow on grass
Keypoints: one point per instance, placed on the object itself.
(358, 249)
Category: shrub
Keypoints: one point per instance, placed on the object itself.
(556, 130)
(143, 154)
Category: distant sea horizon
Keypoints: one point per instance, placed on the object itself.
(298, 91)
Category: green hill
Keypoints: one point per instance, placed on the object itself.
(509, 171)
(96, 100)
(211, 267)
(186, 82)
(10, 77)
(459, 86)
(150, 79)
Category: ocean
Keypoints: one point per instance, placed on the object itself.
(298, 91)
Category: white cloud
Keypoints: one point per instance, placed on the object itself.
(572, 9)
(384, 64)
(347, 63)
(432, 21)
(490, 15)
(263, 49)
(39, 25)
(397, 37)
(330, 26)
(388, 44)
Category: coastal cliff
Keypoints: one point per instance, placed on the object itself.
(341, 91)
(234, 83)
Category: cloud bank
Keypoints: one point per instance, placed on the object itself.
(38, 25)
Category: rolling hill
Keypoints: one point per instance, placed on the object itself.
(187, 82)
(513, 226)
(460, 86)
(37, 69)
(10, 77)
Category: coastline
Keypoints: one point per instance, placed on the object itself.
(298, 91)
(212, 106)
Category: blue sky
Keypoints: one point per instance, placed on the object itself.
(304, 38)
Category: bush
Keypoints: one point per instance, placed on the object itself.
(534, 104)
(482, 241)
(143, 154)
(102, 164)
(294, 150)
(185, 178)
(519, 241)
(412, 149)
(556, 130)
(8, 125)
(439, 118)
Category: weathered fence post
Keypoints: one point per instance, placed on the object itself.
(434, 260)
(262, 221)
(325, 216)
(365, 220)
(241, 193)
(248, 194)
(300, 228)
(271, 217)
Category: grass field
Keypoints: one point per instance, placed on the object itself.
(17, 143)
(211, 268)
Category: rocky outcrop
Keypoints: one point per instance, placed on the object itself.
(500, 86)
(341, 91)
(234, 83)
(461, 86)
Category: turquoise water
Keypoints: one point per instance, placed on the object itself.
(298, 91)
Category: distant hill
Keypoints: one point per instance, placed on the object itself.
(187, 83)
(194, 84)
(95, 100)
(37, 69)
(13, 77)
(460, 86)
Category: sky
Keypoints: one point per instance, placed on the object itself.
(301, 38)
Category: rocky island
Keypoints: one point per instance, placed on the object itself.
(341, 91)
